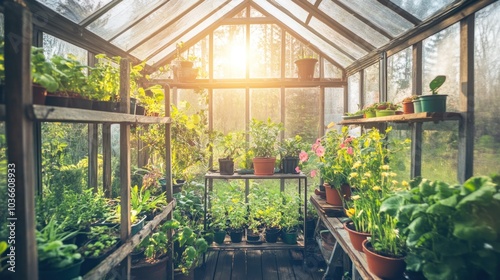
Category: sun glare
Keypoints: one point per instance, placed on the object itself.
(238, 57)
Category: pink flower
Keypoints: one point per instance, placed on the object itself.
(297, 169)
(342, 145)
(320, 151)
(349, 150)
(303, 156)
(313, 173)
(348, 139)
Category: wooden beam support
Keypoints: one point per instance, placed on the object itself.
(97, 14)
(466, 127)
(20, 142)
(168, 177)
(252, 83)
(416, 129)
(93, 133)
(400, 11)
(106, 160)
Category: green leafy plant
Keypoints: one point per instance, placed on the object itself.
(42, 70)
(436, 83)
(102, 239)
(264, 137)
(3, 248)
(290, 217)
(157, 244)
(70, 75)
(237, 213)
(152, 98)
(189, 210)
(232, 144)
(291, 147)
(143, 202)
(104, 78)
(451, 231)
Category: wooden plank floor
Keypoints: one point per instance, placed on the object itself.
(255, 265)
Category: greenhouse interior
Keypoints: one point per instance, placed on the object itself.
(135, 143)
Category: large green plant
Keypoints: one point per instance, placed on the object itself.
(42, 70)
(453, 231)
(70, 75)
(104, 78)
(264, 137)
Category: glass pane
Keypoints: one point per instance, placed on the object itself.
(55, 46)
(229, 52)
(325, 47)
(380, 15)
(371, 85)
(113, 21)
(401, 160)
(441, 56)
(265, 51)
(180, 28)
(439, 141)
(295, 49)
(301, 113)
(76, 10)
(342, 42)
(1, 25)
(487, 91)
(195, 99)
(255, 13)
(152, 23)
(423, 9)
(331, 71)
(353, 93)
(241, 14)
(229, 109)
(295, 9)
(353, 23)
(265, 103)
(399, 75)
(334, 106)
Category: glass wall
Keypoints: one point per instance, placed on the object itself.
(301, 113)
(265, 103)
(399, 76)
(229, 110)
(334, 106)
(487, 91)
(353, 95)
(371, 85)
(229, 52)
(265, 51)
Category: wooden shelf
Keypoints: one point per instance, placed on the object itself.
(64, 114)
(227, 245)
(405, 118)
(216, 175)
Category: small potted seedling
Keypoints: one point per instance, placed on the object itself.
(434, 102)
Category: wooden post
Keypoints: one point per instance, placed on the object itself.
(466, 126)
(125, 161)
(106, 160)
(168, 177)
(416, 130)
(93, 132)
(20, 141)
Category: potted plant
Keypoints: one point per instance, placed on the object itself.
(264, 137)
(369, 111)
(271, 217)
(306, 64)
(289, 150)
(152, 99)
(42, 74)
(103, 241)
(385, 109)
(408, 104)
(218, 218)
(434, 102)
(104, 83)
(290, 219)
(142, 200)
(182, 67)
(232, 143)
(57, 260)
(237, 217)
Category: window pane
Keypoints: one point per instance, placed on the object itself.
(265, 51)
(229, 109)
(334, 106)
(76, 10)
(331, 71)
(487, 91)
(301, 113)
(229, 52)
(423, 8)
(265, 103)
(353, 95)
(399, 75)
(439, 141)
(295, 49)
(441, 56)
(55, 46)
(371, 85)
(353, 23)
(255, 13)
(295, 9)
(401, 160)
(195, 98)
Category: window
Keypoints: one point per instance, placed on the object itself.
(399, 75)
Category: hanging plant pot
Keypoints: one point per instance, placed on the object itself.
(183, 70)
(66, 273)
(305, 68)
(383, 266)
(219, 236)
(433, 103)
(226, 166)
(236, 235)
(289, 165)
(356, 237)
(264, 166)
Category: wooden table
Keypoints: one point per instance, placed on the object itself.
(343, 246)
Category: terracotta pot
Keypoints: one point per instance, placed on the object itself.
(264, 166)
(39, 94)
(333, 195)
(382, 266)
(305, 68)
(408, 107)
(356, 237)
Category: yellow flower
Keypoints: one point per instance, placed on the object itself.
(330, 125)
(404, 183)
(376, 188)
(394, 182)
(364, 182)
(235, 200)
(367, 174)
(385, 174)
(353, 175)
(357, 164)
(393, 174)
(355, 197)
(385, 167)
(350, 212)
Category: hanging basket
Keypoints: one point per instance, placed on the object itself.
(305, 68)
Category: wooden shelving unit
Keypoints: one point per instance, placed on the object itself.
(405, 118)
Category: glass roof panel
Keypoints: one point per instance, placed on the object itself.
(155, 21)
(121, 16)
(325, 47)
(242, 14)
(345, 44)
(353, 23)
(380, 15)
(423, 9)
(180, 27)
(295, 9)
(255, 13)
(75, 10)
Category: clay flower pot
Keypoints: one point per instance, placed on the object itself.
(356, 237)
(383, 266)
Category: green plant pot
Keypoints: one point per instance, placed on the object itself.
(433, 103)
(137, 226)
(290, 237)
(385, 113)
(370, 114)
(208, 236)
(219, 236)
(417, 108)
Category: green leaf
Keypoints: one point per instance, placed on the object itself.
(414, 262)
(440, 210)
(3, 247)
(475, 183)
(436, 83)
(392, 205)
(426, 189)
(440, 271)
(470, 228)
(450, 247)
